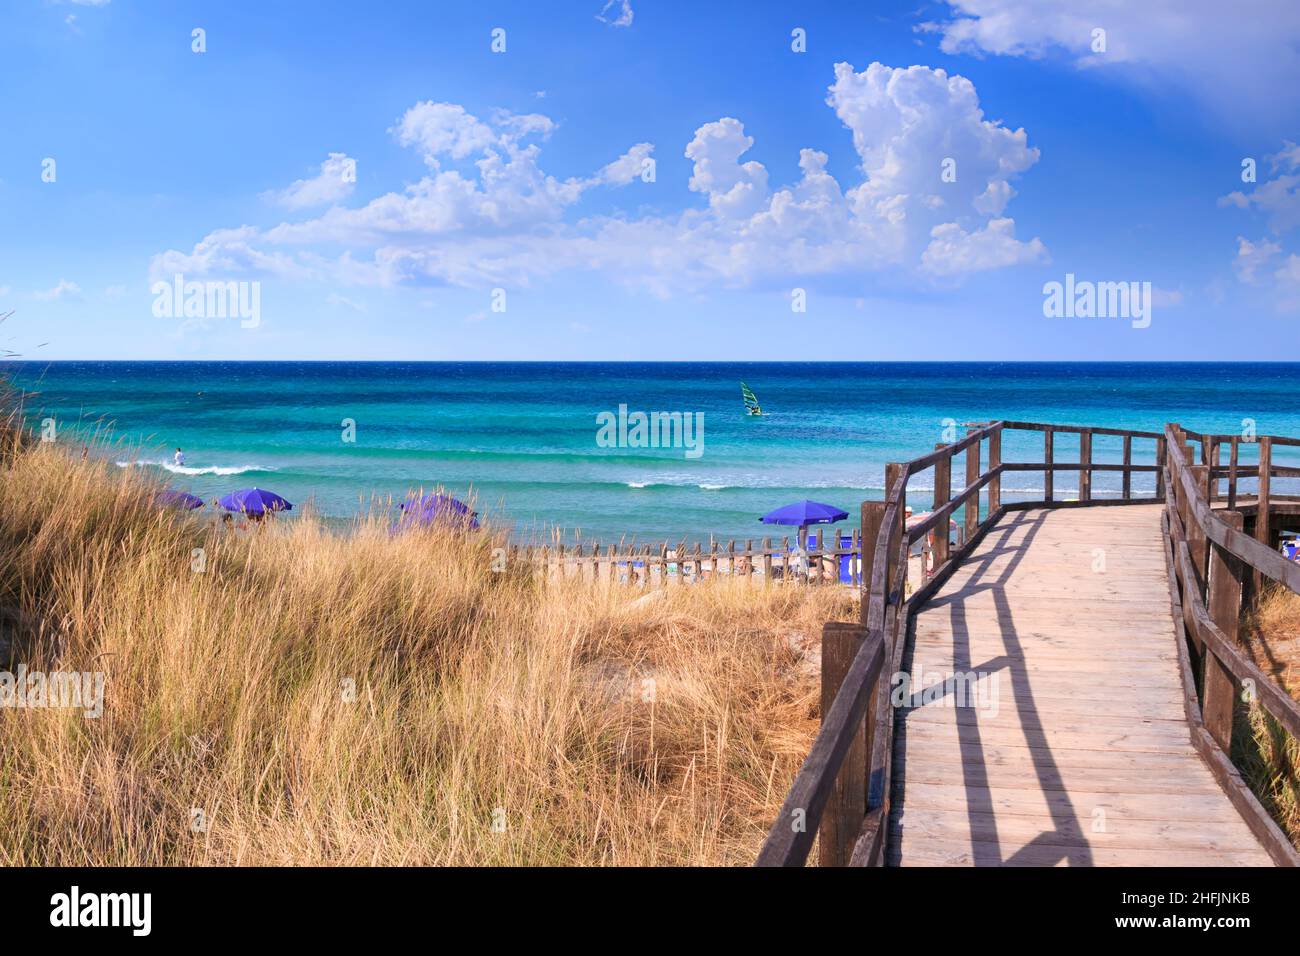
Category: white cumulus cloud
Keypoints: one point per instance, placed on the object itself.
(487, 212)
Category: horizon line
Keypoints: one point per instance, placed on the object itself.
(396, 361)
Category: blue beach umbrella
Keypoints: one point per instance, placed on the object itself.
(804, 513)
(179, 499)
(430, 508)
(254, 501)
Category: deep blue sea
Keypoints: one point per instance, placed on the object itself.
(521, 439)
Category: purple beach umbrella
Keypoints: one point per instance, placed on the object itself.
(804, 513)
(179, 499)
(430, 508)
(254, 501)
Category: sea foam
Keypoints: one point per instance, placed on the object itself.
(191, 470)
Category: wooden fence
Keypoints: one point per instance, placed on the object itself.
(1212, 563)
(823, 559)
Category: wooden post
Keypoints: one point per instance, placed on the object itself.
(829, 541)
(1085, 466)
(1232, 475)
(767, 561)
(942, 495)
(749, 558)
(1160, 467)
(855, 555)
(731, 557)
(1262, 530)
(1196, 539)
(613, 566)
(699, 564)
(847, 804)
(1048, 474)
(894, 471)
(1211, 446)
(873, 516)
(895, 543)
(1224, 605)
(1128, 463)
(663, 564)
(995, 459)
(972, 476)
(713, 558)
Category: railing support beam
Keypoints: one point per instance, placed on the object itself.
(1085, 466)
(942, 494)
(995, 459)
(1263, 533)
(1048, 460)
(973, 503)
(847, 805)
(1224, 605)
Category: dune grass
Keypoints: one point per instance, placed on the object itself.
(1268, 756)
(295, 696)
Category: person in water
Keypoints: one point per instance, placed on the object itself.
(179, 458)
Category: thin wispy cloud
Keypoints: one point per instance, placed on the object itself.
(1240, 61)
(617, 13)
(63, 290)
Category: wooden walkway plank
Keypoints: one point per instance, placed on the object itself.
(1082, 754)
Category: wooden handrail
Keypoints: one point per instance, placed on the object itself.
(1275, 439)
(791, 836)
(1078, 429)
(941, 515)
(1212, 560)
(1280, 705)
(1241, 545)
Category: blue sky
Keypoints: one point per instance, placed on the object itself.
(526, 171)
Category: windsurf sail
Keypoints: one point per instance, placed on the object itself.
(751, 400)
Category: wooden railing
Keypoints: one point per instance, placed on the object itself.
(1212, 563)
(842, 791)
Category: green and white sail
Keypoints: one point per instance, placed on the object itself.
(751, 400)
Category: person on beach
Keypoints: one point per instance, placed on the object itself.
(179, 458)
(800, 562)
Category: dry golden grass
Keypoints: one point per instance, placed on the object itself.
(1268, 756)
(607, 727)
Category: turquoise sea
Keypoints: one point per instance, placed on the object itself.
(521, 438)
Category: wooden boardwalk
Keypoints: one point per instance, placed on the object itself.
(1073, 748)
